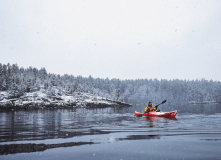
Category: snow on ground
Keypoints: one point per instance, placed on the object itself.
(41, 99)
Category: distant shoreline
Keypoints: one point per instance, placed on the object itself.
(205, 102)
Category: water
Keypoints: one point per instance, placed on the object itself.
(110, 133)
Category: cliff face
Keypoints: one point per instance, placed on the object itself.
(40, 99)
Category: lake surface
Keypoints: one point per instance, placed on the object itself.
(110, 133)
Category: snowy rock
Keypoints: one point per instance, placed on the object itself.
(40, 99)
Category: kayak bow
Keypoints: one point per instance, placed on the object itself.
(171, 114)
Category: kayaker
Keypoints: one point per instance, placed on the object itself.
(150, 108)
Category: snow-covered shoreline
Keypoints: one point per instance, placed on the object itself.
(204, 102)
(40, 99)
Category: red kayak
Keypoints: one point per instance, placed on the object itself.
(171, 114)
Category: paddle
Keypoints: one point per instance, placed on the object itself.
(161, 103)
(140, 115)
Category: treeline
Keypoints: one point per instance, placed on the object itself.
(18, 80)
(176, 92)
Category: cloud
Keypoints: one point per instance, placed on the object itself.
(115, 39)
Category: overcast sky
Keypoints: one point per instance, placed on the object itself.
(126, 39)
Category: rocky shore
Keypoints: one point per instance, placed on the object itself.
(40, 99)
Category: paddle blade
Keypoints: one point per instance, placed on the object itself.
(164, 101)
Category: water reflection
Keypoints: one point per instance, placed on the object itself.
(209, 108)
(31, 147)
(40, 130)
(139, 137)
(51, 124)
(152, 119)
(33, 125)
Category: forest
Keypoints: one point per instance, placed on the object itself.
(18, 80)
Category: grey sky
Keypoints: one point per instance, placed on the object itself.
(126, 39)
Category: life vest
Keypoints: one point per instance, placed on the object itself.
(149, 109)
